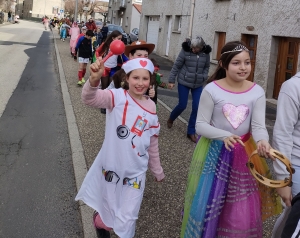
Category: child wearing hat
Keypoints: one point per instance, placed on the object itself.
(137, 49)
(115, 183)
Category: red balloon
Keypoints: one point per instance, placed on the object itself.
(117, 47)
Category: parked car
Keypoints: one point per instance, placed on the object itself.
(113, 27)
(133, 35)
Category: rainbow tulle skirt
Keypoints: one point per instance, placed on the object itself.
(222, 198)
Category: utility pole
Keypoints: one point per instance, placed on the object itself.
(76, 10)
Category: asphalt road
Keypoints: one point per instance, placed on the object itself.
(36, 172)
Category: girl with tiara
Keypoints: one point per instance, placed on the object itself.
(115, 183)
(222, 198)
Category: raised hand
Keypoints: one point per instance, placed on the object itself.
(151, 92)
(96, 71)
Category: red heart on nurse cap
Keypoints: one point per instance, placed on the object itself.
(138, 63)
(143, 63)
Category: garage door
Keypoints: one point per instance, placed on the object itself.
(153, 28)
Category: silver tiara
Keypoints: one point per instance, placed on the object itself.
(238, 48)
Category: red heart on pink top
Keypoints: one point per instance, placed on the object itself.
(143, 63)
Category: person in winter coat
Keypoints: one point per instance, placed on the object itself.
(292, 224)
(99, 37)
(104, 32)
(91, 25)
(191, 69)
(74, 33)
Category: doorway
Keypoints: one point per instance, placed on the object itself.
(169, 25)
(287, 61)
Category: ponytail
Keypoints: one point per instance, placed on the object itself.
(218, 74)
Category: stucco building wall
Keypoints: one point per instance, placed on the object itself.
(269, 20)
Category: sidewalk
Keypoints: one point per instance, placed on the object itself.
(160, 212)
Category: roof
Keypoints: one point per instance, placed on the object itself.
(138, 7)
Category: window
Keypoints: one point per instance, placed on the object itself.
(219, 42)
(177, 23)
(55, 10)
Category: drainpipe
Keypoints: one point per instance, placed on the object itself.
(192, 18)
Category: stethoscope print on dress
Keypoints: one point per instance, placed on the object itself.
(137, 129)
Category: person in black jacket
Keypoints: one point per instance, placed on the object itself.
(292, 225)
(84, 48)
(104, 32)
(191, 69)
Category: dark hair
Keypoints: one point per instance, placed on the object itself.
(154, 62)
(134, 50)
(119, 79)
(108, 41)
(89, 33)
(225, 60)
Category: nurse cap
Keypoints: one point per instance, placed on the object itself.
(138, 63)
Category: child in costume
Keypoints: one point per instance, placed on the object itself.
(83, 31)
(115, 183)
(222, 198)
(84, 46)
(157, 80)
(137, 49)
(46, 22)
(74, 33)
(113, 63)
(63, 30)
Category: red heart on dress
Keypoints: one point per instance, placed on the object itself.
(143, 63)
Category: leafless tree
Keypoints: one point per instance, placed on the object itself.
(91, 5)
(6, 5)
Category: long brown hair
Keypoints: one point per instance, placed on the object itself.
(119, 79)
(108, 41)
(225, 59)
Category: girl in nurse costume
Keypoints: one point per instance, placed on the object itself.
(222, 198)
(115, 183)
